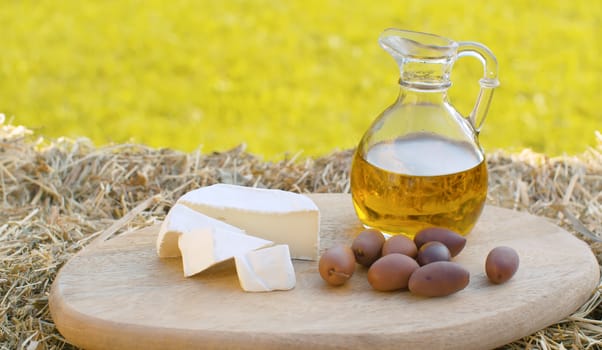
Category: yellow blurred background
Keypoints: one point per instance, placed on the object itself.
(288, 76)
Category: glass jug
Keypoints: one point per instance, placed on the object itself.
(420, 163)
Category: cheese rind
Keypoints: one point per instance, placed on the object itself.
(257, 200)
(181, 219)
(279, 216)
(206, 246)
(266, 269)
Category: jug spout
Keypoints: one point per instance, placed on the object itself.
(409, 44)
(425, 60)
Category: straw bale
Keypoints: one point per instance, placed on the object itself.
(58, 196)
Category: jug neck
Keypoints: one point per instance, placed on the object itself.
(425, 74)
(421, 96)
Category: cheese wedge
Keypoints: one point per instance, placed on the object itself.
(206, 246)
(181, 219)
(279, 216)
(266, 269)
(202, 241)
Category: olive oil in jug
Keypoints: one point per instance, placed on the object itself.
(419, 181)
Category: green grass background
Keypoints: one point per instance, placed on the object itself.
(288, 76)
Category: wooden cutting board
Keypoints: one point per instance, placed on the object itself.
(120, 295)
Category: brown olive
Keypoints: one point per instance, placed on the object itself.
(391, 272)
(454, 241)
(431, 252)
(337, 265)
(400, 244)
(367, 246)
(438, 279)
(501, 264)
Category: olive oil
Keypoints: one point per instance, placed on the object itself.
(418, 181)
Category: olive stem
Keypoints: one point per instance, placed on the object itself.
(338, 273)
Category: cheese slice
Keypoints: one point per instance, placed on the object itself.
(202, 241)
(204, 247)
(266, 269)
(279, 216)
(179, 220)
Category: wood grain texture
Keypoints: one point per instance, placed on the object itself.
(120, 295)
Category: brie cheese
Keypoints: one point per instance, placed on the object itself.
(181, 219)
(266, 269)
(279, 216)
(206, 246)
(202, 241)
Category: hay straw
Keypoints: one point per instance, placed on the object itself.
(57, 198)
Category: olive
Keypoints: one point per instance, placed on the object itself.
(400, 244)
(438, 279)
(501, 264)
(367, 246)
(391, 272)
(433, 251)
(337, 265)
(454, 241)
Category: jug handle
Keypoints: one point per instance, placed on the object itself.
(487, 83)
